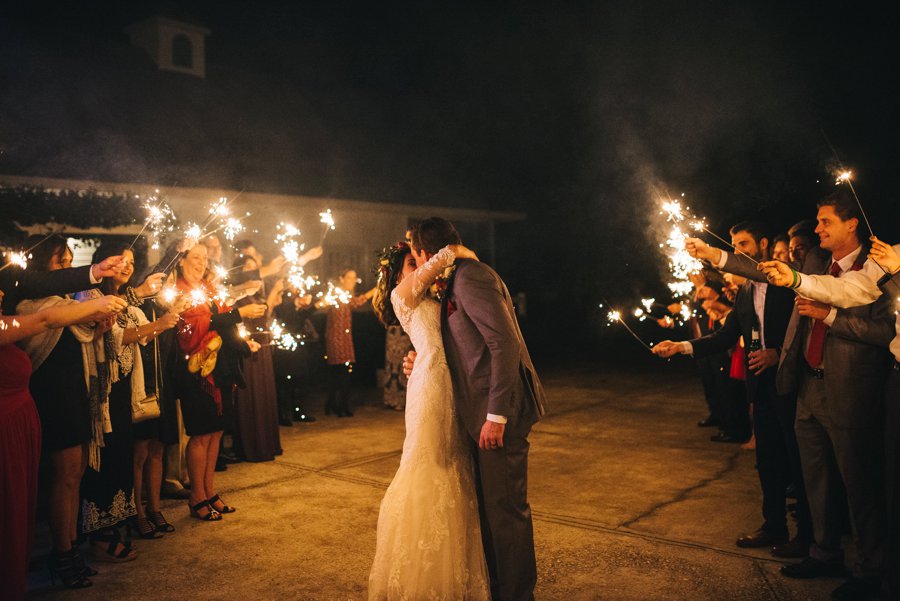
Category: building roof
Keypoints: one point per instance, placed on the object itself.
(94, 107)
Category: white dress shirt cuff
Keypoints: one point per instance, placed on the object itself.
(723, 258)
(497, 419)
(94, 280)
(829, 319)
(686, 348)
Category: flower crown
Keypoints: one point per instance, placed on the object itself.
(388, 255)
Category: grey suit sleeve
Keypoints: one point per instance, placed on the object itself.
(481, 296)
(742, 265)
(877, 328)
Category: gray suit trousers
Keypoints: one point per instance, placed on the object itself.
(501, 480)
(829, 455)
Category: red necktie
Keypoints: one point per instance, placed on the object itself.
(817, 338)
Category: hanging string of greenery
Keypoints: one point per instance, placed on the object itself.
(30, 205)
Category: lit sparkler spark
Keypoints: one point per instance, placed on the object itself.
(168, 295)
(242, 331)
(221, 272)
(198, 296)
(327, 218)
(281, 338)
(614, 316)
(220, 207)
(648, 303)
(639, 313)
(19, 259)
(673, 211)
(160, 219)
(193, 232)
(843, 176)
(232, 228)
(334, 296)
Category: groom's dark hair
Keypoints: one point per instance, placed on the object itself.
(433, 234)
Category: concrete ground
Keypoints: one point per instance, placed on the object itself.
(631, 502)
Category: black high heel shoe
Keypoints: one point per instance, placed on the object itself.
(159, 520)
(115, 550)
(65, 566)
(143, 527)
(224, 509)
(85, 570)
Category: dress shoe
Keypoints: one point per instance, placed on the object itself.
(709, 422)
(760, 539)
(855, 589)
(813, 568)
(723, 437)
(796, 548)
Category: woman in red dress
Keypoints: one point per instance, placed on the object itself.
(20, 439)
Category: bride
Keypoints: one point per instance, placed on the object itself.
(429, 535)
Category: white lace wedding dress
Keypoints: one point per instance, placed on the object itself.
(429, 535)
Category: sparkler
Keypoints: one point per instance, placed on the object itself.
(846, 177)
(160, 219)
(18, 258)
(334, 296)
(615, 316)
(328, 219)
(281, 338)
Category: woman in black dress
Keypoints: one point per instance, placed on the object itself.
(257, 437)
(207, 336)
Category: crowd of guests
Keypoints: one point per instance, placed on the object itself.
(113, 393)
(804, 328)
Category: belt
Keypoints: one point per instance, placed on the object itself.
(814, 372)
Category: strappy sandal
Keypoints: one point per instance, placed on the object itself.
(224, 509)
(159, 520)
(210, 516)
(143, 527)
(117, 550)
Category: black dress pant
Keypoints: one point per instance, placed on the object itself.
(339, 389)
(778, 457)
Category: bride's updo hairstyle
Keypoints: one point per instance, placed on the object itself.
(390, 266)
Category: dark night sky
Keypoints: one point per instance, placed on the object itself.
(573, 112)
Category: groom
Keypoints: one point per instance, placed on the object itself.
(498, 398)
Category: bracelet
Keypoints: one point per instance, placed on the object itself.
(132, 297)
(796, 281)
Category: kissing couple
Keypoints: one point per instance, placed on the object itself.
(455, 521)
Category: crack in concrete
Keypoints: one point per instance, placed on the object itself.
(681, 496)
(769, 584)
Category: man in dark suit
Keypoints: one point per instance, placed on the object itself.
(838, 362)
(20, 284)
(498, 397)
(760, 315)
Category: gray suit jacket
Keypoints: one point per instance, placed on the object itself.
(489, 363)
(855, 356)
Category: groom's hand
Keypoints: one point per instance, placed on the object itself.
(491, 436)
(408, 363)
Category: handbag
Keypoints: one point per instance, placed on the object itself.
(148, 407)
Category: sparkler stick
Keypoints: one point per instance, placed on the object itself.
(846, 177)
(615, 316)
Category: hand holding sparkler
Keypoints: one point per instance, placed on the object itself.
(668, 348)
(699, 249)
(780, 274)
(252, 311)
(884, 255)
(108, 267)
(150, 285)
(253, 345)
